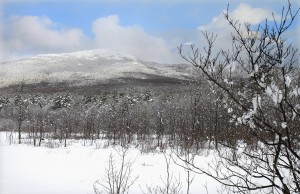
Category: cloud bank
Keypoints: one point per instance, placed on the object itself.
(109, 34)
(243, 13)
(31, 35)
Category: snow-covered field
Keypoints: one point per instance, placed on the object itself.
(25, 169)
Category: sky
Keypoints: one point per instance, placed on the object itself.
(148, 29)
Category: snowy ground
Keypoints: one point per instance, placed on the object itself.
(25, 169)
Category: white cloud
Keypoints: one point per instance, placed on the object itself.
(109, 34)
(243, 13)
(32, 34)
(246, 13)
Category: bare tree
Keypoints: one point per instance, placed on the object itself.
(20, 108)
(258, 82)
(118, 179)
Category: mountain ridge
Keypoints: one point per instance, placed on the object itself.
(88, 67)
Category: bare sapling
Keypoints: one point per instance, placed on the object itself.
(118, 177)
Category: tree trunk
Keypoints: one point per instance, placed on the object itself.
(19, 131)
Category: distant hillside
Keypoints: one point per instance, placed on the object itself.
(91, 67)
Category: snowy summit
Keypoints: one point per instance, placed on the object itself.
(85, 67)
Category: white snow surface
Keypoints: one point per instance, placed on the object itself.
(275, 93)
(25, 169)
(284, 125)
(288, 81)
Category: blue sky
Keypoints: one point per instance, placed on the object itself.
(152, 15)
(148, 29)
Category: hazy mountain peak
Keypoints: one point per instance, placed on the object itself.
(85, 67)
(91, 55)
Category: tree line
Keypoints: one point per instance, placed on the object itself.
(189, 116)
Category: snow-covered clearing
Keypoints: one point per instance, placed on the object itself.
(25, 169)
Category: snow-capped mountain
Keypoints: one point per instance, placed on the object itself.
(86, 67)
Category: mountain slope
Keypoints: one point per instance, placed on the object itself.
(86, 67)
